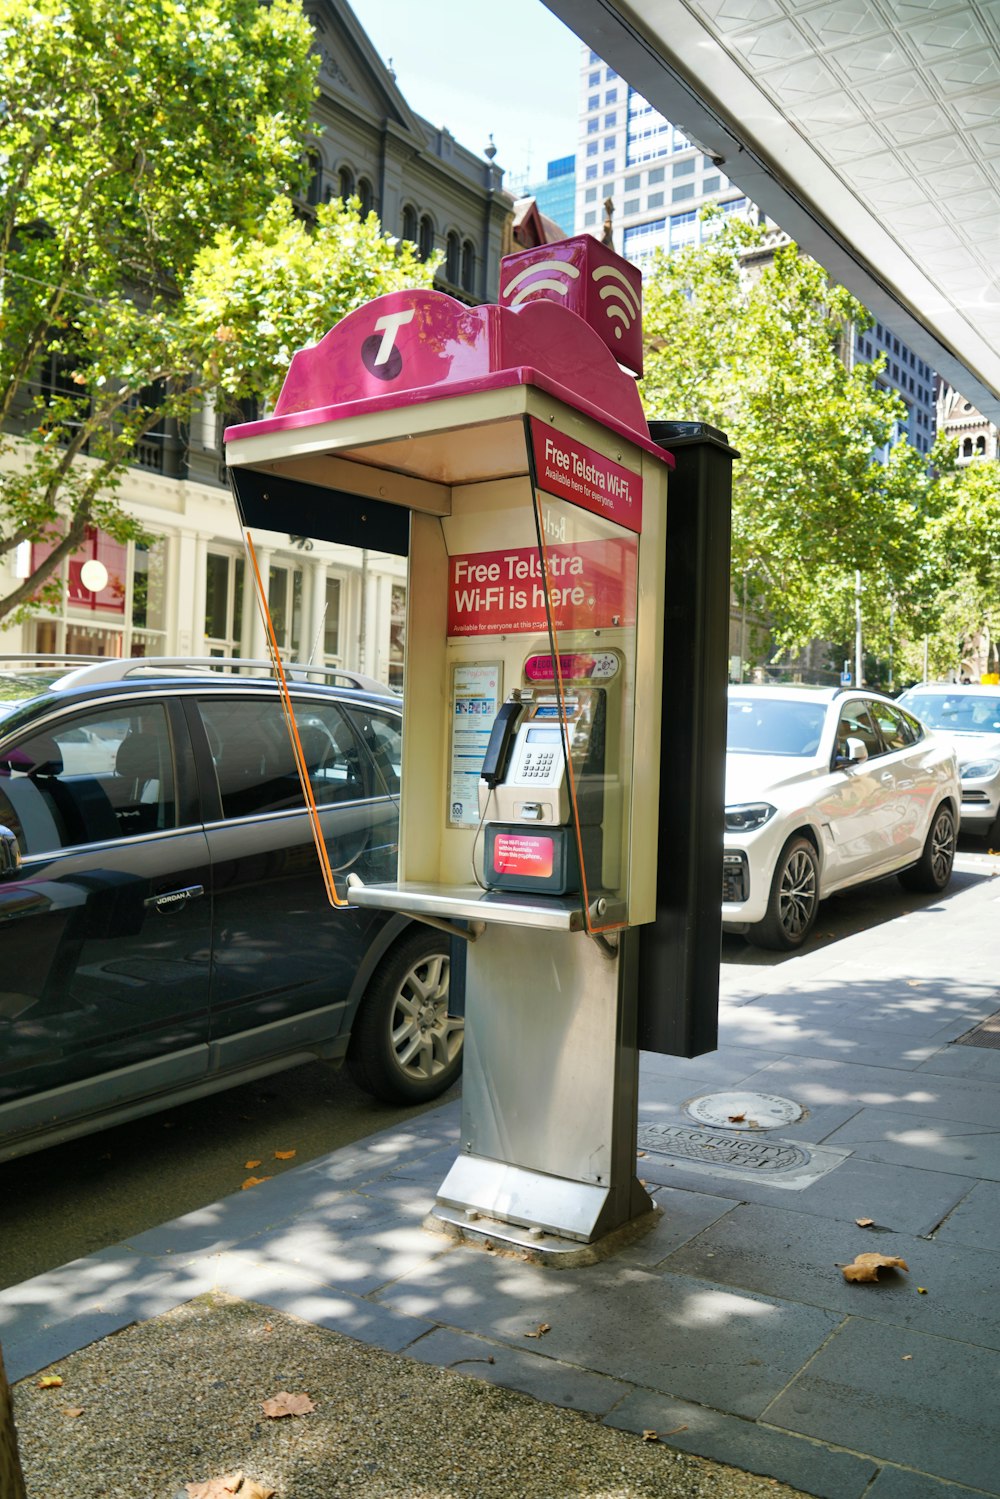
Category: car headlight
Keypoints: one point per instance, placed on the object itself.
(979, 770)
(747, 817)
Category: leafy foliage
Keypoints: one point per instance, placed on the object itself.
(149, 250)
(754, 342)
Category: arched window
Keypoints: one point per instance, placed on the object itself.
(425, 236)
(981, 446)
(314, 188)
(453, 258)
(468, 266)
(967, 448)
(366, 195)
(345, 179)
(410, 223)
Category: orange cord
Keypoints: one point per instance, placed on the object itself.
(293, 732)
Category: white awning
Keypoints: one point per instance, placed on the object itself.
(869, 130)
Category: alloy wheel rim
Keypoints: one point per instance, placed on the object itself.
(425, 1038)
(942, 848)
(797, 898)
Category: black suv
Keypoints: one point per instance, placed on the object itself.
(164, 926)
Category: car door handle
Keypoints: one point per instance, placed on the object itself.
(887, 778)
(169, 899)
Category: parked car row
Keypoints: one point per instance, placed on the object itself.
(166, 931)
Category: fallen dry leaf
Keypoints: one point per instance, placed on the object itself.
(253, 1181)
(907, 1357)
(540, 1330)
(865, 1222)
(284, 1155)
(651, 1436)
(72, 1410)
(250, 1165)
(866, 1266)
(50, 1382)
(284, 1404)
(737, 1118)
(921, 1290)
(640, 1154)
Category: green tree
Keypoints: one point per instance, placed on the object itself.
(131, 133)
(753, 342)
(254, 297)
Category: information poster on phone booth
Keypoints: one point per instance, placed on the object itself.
(475, 699)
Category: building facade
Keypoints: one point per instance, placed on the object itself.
(188, 593)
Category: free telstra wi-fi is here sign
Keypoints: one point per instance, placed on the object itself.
(591, 280)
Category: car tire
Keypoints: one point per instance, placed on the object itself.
(932, 870)
(794, 899)
(405, 1047)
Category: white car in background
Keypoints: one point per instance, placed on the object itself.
(968, 715)
(825, 788)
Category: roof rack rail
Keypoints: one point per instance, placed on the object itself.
(119, 668)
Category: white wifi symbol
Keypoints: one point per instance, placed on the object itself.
(622, 302)
(543, 284)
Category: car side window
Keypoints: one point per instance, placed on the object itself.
(382, 734)
(896, 728)
(94, 777)
(255, 764)
(855, 723)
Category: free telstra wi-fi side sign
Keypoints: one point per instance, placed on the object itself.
(591, 280)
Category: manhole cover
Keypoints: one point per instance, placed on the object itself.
(705, 1146)
(744, 1110)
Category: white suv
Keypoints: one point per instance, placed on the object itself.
(968, 715)
(825, 788)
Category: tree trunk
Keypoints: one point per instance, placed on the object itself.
(11, 1477)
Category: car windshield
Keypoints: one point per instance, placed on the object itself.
(962, 713)
(774, 726)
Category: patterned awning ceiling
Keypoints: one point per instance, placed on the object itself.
(868, 129)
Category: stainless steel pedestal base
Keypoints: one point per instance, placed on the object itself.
(549, 1097)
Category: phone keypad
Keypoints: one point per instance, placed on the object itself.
(537, 765)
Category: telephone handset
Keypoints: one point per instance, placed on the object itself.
(502, 737)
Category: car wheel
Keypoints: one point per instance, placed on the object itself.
(405, 1047)
(794, 899)
(932, 870)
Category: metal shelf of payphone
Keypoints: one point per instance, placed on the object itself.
(468, 903)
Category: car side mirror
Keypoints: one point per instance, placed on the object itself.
(855, 753)
(10, 853)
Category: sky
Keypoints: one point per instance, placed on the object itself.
(525, 95)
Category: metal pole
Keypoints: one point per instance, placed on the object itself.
(892, 621)
(857, 628)
(743, 630)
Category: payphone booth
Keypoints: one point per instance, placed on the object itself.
(505, 450)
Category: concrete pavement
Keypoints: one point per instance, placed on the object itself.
(729, 1328)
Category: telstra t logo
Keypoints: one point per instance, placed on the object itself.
(379, 355)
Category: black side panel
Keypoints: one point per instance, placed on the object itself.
(679, 951)
(278, 504)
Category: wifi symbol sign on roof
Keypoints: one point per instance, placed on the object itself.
(620, 300)
(585, 277)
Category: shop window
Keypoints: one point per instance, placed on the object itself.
(284, 602)
(113, 599)
(397, 634)
(224, 574)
